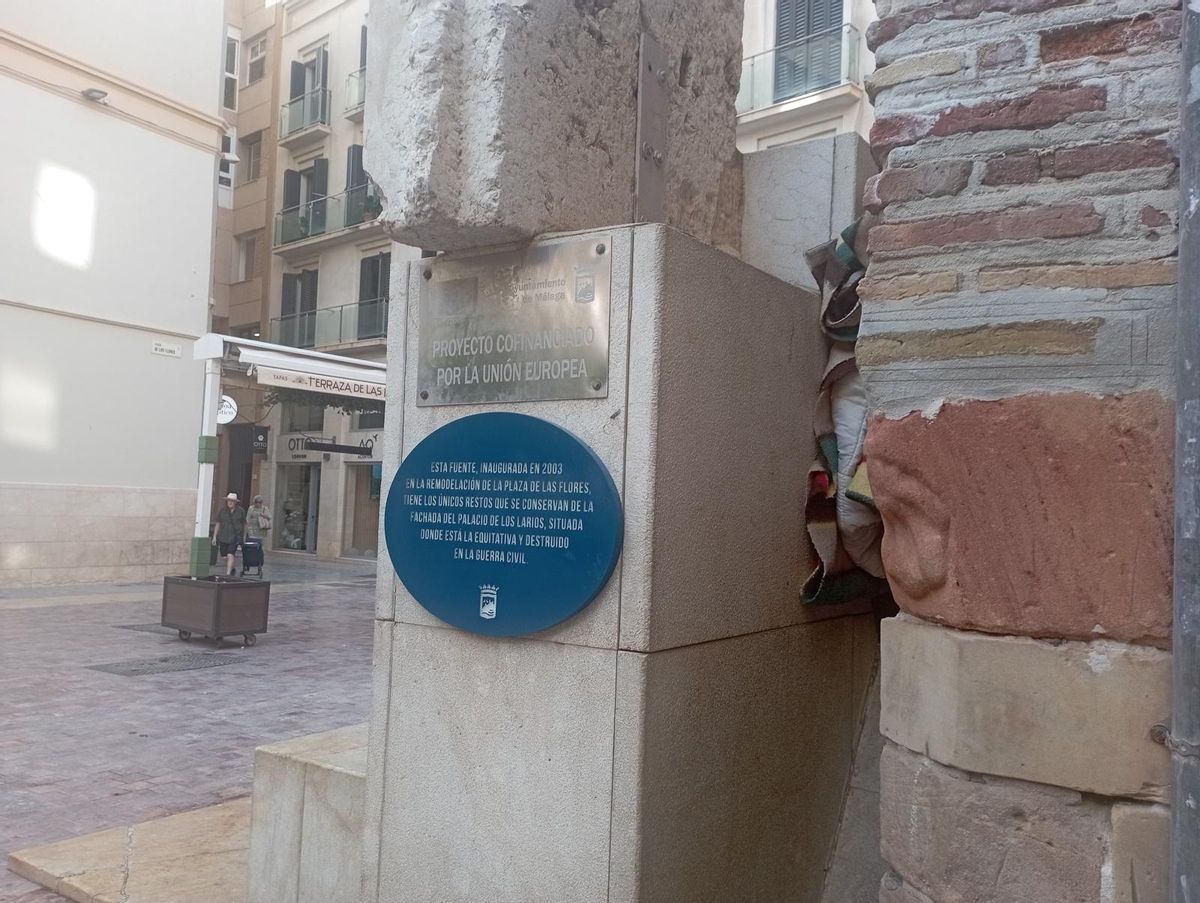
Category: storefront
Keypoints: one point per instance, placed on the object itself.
(324, 502)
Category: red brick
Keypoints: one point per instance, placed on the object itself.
(1059, 221)
(1012, 169)
(1003, 53)
(1040, 515)
(1040, 108)
(889, 132)
(1037, 109)
(1112, 36)
(890, 27)
(929, 180)
(1153, 217)
(1117, 157)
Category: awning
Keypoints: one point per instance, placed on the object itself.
(299, 368)
(275, 368)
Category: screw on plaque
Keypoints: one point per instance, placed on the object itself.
(600, 249)
(596, 385)
(424, 394)
(428, 274)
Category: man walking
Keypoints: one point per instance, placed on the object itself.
(228, 531)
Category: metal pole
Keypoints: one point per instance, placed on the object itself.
(207, 458)
(1184, 738)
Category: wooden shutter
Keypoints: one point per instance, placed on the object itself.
(320, 178)
(291, 294)
(808, 46)
(297, 83)
(291, 189)
(308, 291)
(385, 274)
(362, 48)
(355, 176)
(368, 278)
(323, 68)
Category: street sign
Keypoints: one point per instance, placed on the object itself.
(363, 451)
(503, 524)
(227, 410)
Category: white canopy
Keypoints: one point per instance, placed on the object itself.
(298, 368)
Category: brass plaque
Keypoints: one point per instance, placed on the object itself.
(527, 325)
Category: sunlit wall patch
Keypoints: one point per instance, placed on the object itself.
(64, 216)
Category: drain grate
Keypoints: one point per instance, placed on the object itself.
(147, 628)
(188, 661)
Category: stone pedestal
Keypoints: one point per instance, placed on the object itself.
(688, 735)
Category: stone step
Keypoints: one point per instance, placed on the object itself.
(190, 857)
(308, 799)
(306, 831)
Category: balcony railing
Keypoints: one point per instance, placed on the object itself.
(801, 67)
(356, 89)
(358, 322)
(304, 111)
(325, 216)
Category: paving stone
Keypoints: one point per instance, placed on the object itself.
(193, 857)
(81, 751)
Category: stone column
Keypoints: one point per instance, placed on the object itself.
(1018, 347)
(688, 735)
(493, 120)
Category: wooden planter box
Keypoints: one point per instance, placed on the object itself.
(216, 607)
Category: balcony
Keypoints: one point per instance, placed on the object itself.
(356, 94)
(810, 65)
(304, 120)
(339, 214)
(364, 322)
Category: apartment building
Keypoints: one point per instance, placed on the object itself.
(804, 63)
(246, 202)
(328, 286)
(105, 269)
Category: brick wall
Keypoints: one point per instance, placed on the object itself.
(1018, 348)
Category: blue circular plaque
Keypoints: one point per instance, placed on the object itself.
(503, 524)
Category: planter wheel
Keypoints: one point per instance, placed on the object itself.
(250, 639)
(185, 635)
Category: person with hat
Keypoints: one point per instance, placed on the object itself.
(228, 531)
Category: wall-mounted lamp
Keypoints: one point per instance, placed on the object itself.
(94, 94)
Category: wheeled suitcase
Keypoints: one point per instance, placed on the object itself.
(252, 555)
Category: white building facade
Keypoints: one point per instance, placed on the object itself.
(105, 273)
(330, 284)
(804, 63)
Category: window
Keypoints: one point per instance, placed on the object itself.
(256, 66)
(252, 156)
(247, 252)
(368, 420)
(298, 309)
(808, 46)
(373, 277)
(225, 170)
(303, 418)
(230, 84)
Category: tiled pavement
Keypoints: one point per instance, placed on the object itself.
(82, 750)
